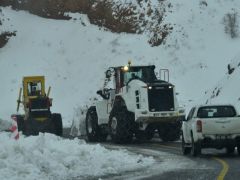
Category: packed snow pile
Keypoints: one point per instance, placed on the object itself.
(5, 125)
(78, 127)
(50, 157)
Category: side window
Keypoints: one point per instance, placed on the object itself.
(190, 115)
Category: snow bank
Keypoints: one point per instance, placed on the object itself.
(5, 125)
(50, 157)
(78, 127)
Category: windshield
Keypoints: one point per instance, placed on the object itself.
(34, 88)
(146, 74)
(216, 111)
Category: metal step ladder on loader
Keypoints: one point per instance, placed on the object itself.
(37, 116)
(135, 104)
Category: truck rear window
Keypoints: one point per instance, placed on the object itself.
(216, 111)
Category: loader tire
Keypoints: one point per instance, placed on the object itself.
(93, 131)
(121, 125)
(57, 124)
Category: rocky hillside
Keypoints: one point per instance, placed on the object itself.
(136, 16)
(227, 90)
(74, 51)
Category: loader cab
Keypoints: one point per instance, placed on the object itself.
(123, 75)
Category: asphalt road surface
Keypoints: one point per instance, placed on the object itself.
(171, 164)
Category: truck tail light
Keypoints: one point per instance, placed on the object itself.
(199, 126)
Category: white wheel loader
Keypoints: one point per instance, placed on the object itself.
(134, 103)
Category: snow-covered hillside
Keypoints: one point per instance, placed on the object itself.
(74, 54)
(227, 90)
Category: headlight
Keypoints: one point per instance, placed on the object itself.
(125, 68)
(149, 87)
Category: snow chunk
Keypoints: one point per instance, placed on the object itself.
(50, 157)
(5, 125)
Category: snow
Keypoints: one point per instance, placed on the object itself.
(50, 157)
(227, 89)
(74, 54)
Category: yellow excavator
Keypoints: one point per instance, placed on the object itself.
(37, 116)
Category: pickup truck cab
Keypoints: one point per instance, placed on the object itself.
(211, 126)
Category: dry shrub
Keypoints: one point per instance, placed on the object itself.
(230, 21)
(114, 17)
(82, 6)
(4, 37)
(99, 12)
(118, 20)
(160, 35)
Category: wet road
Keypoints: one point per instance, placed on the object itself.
(171, 164)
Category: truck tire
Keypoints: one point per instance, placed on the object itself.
(185, 150)
(120, 125)
(93, 131)
(57, 124)
(196, 148)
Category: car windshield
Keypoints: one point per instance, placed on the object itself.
(216, 111)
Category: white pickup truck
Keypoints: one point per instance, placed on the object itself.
(211, 126)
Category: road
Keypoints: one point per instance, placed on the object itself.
(171, 164)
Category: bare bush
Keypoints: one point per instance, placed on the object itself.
(230, 21)
(4, 37)
(114, 16)
(159, 35)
